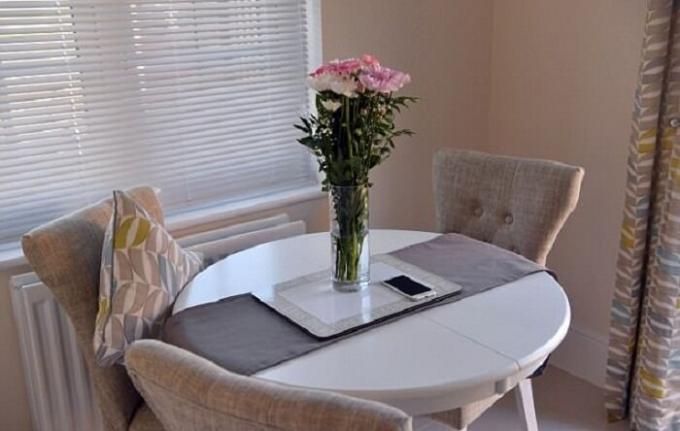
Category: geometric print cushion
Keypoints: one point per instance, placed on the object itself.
(142, 271)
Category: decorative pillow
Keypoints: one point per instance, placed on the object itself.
(142, 271)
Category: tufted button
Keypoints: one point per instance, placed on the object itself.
(508, 219)
(478, 211)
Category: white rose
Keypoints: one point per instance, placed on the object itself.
(320, 82)
(345, 86)
(331, 105)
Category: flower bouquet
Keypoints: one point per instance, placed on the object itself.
(352, 132)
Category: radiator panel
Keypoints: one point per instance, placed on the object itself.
(59, 389)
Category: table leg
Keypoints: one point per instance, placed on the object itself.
(524, 396)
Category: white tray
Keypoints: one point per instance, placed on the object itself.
(312, 303)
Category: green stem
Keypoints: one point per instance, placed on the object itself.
(348, 127)
(350, 205)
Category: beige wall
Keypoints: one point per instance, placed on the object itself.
(445, 46)
(563, 75)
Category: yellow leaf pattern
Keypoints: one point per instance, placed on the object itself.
(643, 368)
(139, 258)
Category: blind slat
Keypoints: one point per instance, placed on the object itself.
(195, 97)
(113, 172)
(103, 124)
(213, 141)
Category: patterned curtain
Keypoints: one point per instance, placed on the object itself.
(643, 369)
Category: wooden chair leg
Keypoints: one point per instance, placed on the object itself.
(524, 396)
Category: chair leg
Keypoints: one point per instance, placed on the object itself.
(524, 396)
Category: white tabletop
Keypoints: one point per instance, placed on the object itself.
(432, 361)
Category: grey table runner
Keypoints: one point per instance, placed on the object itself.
(245, 336)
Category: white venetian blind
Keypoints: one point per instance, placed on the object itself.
(195, 97)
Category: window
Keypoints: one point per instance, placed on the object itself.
(195, 97)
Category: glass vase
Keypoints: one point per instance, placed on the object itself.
(350, 257)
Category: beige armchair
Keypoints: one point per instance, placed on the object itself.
(189, 393)
(517, 204)
(66, 255)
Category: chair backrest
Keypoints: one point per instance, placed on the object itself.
(66, 255)
(189, 393)
(514, 203)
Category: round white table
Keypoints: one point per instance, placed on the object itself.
(431, 361)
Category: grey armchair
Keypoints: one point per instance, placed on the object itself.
(514, 203)
(189, 393)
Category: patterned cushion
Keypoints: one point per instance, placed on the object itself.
(142, 271)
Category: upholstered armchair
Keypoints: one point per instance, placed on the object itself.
(514, 203)
(66, 255)
(190, 393)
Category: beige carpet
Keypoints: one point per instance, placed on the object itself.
(563, 402)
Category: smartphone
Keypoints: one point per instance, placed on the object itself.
(409, 288)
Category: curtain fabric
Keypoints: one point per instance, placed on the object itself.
(643, 368)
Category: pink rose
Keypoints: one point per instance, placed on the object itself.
(339, 67)
(348, 66)
(319, 71)
(352, 76)
(383, 79)
(368, 60)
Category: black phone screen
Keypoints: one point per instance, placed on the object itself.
(407, 286)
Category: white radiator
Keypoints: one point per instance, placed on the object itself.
(59, 389)
(60, 393)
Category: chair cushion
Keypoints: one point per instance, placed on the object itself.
(142, 270)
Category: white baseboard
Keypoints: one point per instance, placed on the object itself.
(583, 354)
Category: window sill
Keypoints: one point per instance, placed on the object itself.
(13, 257)
(192, 218)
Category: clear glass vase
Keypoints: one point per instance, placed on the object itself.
(350, 257)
